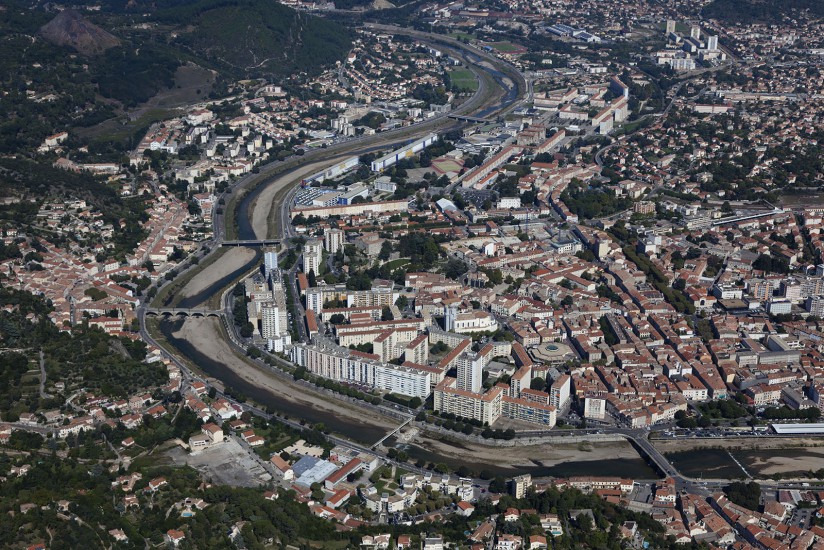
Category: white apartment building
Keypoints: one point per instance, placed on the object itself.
(333, 240)
(559, 391)
(270, 262)
(595, 407)
(345, 365)
(312, 256)
(470, 372)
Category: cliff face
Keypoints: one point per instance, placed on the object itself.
(71, 29)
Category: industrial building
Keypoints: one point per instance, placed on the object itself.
(404, 152)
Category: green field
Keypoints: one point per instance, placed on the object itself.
(505, 47)
(462, 36)
(395, 264)
(464, 79)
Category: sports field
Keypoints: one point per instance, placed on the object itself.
(464, 79)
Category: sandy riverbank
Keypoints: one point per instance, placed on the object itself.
(546, 455)
(232, 259)
(262, 208)
(811, 460)
(736, 443)
(204, 334)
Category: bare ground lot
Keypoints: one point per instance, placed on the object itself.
(226, 464)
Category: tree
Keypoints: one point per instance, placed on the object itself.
(386, 250)
(386, 313)
(454, 268)
(747, 495)
(537, 383)
(337, 319)
(313, 281)
(402, 302)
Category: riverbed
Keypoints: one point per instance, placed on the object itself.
(759, 457)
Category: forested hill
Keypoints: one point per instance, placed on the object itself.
(129, 52)
(761, 11)
(256, 37)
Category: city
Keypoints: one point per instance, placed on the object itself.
(503, 276)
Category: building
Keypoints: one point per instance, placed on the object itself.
(345, 365)
(404, 152)
(470, 372)
(520, 485)
(270, 261)
(559, 391)
(333, 240)
(312, 256)
(594, 407)
(482, 407)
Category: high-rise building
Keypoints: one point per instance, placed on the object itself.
(695, 32)
(712, 43)
(670, 26)
(520, 485)
(271, 320)
(559, 391)
(312, 256)
(333, 240)
(270, 261)
(470, 372)
(450, 314)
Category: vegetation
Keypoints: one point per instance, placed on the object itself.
(40, 180)
(760, 11)
(592, 202)
(747, 495)
(86, 357)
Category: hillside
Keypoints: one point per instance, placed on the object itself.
(71, 29)
(253, 38)
(761, 11)
(92, 66)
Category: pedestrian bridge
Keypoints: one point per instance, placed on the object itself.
(183, 312)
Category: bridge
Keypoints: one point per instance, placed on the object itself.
(393, 432)
(261, 242)
(185, 312)
(467, 118)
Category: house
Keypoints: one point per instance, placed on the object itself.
(174, 537)
(118, 535)
(465, 509)
(509, 542)
(282, 468)
(404, 542)
(511, 514)
(537, 542)
(376, 542)
(156, 484)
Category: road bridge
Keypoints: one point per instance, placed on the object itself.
(467, 118)
(251, 242)
(184, 312)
